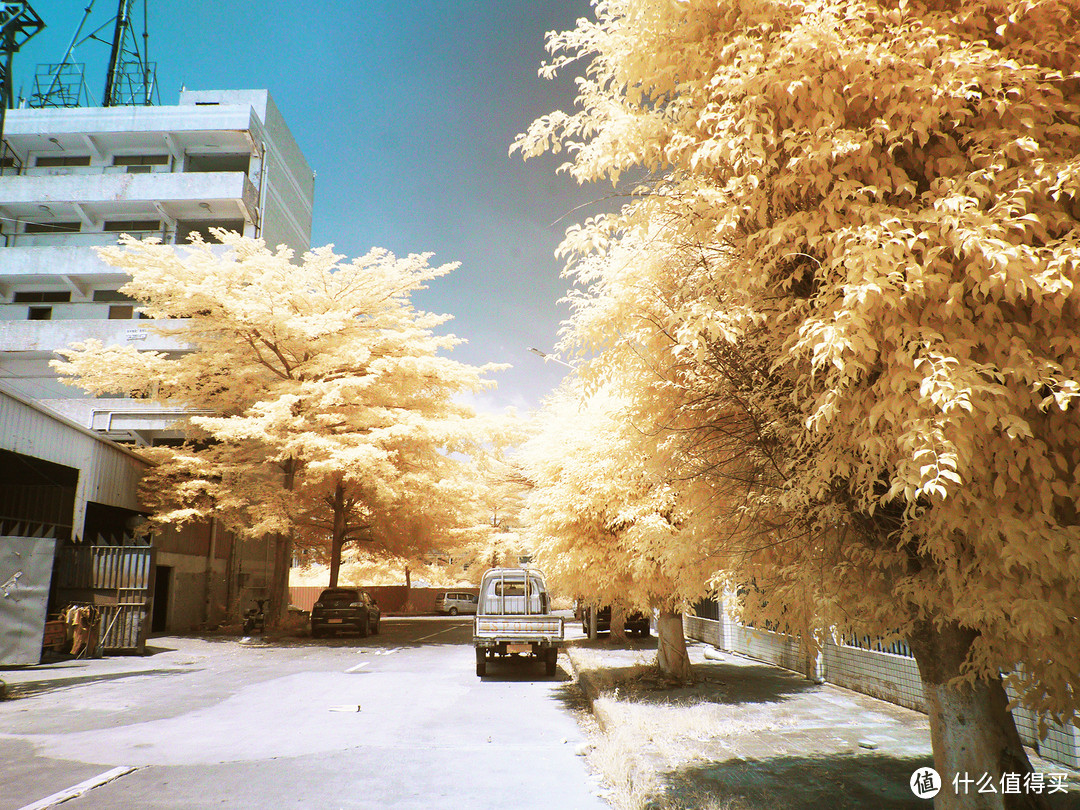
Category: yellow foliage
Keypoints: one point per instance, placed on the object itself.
(860, 231)
(320, 403)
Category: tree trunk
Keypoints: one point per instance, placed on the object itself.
(618, 623)
(971, 727)
(671, 654)
(279, 580)
(337, 536)
(278, 601)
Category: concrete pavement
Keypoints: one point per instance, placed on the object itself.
(396, 720)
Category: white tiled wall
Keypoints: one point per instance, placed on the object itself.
(764, 645)
(889, 677)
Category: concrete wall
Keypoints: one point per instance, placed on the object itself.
(288, 191)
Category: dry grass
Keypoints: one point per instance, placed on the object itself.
(648, 727)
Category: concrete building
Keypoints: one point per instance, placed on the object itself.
(75, 178)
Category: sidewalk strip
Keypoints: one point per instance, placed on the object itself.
(83, 787)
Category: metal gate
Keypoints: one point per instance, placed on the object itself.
(118, 581)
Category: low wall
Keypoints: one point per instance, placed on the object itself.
(893, 678)
(392, 599)
(764, 645)
(887, 676)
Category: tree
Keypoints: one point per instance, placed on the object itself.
(318, 396)
(608, 529)
(870, 210)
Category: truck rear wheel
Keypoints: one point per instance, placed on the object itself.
(551, 661)
(481, 663)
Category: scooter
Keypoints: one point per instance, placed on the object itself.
(255, 619)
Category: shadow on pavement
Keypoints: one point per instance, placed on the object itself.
(715, 683)
(394, 631)
(800, 783)
(523, 670)
(837, 782)
(28, 689)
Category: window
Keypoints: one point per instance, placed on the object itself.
(52, 227)
(140, 160)
(42, 297)
(121, 312)
(237, 162)
(40, 314)
(131, 225)
(62, 160)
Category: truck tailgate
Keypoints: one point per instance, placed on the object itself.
(524, 627)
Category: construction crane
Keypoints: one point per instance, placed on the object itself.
(18, 23)
(130, 79)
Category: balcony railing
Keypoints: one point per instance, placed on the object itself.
(68, 311)
(57, 171)
(80, 239)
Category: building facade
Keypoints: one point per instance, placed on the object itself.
(75, 178)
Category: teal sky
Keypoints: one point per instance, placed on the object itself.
(406, 111)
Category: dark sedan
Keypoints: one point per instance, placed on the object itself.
(344, 610)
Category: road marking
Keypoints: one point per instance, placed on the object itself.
(85, 786)
(390, 651)
(447, 630)
(358, 667)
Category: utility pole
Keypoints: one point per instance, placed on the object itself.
(122, 22)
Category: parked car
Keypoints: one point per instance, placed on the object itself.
(455, 602)
(344, 610)
(635, 622)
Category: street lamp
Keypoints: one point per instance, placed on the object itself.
(547, 357)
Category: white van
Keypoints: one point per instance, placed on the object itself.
(455, 602)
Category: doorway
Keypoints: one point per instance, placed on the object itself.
(159, 622)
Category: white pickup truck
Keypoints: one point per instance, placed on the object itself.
(514, 618)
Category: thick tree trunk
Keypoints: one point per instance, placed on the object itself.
(971, 728)
(335, 560)
(278, 602)
(618, 623)
(671, 654)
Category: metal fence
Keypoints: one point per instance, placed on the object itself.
(118, 580)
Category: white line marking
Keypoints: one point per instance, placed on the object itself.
(390, 651)
(358, 667)
(83, 787)
(447, 630)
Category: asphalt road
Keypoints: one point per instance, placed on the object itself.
(398, 720)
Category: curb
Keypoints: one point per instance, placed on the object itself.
(589, 689)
